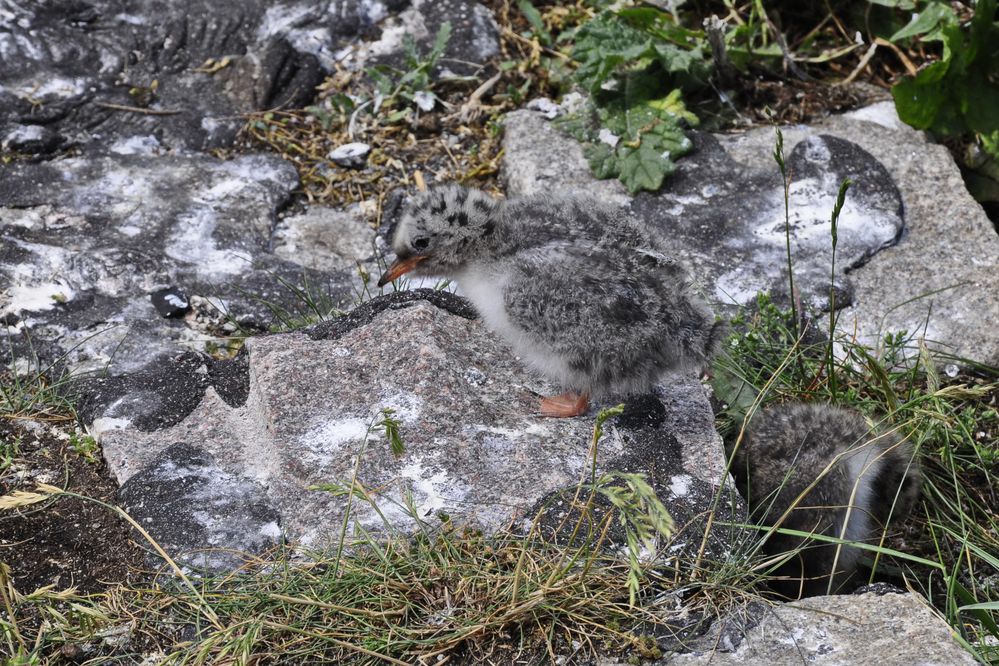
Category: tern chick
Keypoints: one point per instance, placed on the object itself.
(821, 469)
(581, 290)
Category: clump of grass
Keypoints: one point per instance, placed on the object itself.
(775, 355)
(30, 388)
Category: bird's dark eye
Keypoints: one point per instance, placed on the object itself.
(421, 243)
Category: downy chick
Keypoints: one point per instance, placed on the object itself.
(584, 292)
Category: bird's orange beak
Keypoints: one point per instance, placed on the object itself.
(399, 267)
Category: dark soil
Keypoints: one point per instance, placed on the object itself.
(790, 101)
(63, 542)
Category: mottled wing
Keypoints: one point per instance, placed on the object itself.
(600, 317)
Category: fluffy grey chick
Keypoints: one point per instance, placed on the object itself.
(581, 290)
(862, 477)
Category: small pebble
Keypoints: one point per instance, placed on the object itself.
(545, 107)
(350, 155)
(170, 302)
(425, 100)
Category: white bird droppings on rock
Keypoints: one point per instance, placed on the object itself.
(679, 485)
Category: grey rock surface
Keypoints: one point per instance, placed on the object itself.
(899, 239)
(137, 88)
(161, 393)
(838, 630)
(474, 37)
(941, 279)
(475, 447)
(539, 158)
(85, 242)
(323, 238)
(196, 510)
(187, 70)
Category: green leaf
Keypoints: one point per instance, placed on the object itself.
(651, 137)
(918, 99)
(533, 17)
(660, 25)
(990, 144)
(642, 18)
(673, 104)
(602, 159)
(689, 63)
(603, 44)
(894, 4)
(644, 168)
(981, 103)
(440, 43)
(983, 30)
(926, 20)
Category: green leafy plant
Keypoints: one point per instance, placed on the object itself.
(635, 63)
(389, 426)
(958, 93)
(413, 84)
(634, 140)
(84, 446)
(633, 40)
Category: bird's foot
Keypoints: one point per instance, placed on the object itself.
(565, 405)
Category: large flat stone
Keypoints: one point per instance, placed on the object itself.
(915, 251)
(475, 447)
(85, 241)
(839, 631)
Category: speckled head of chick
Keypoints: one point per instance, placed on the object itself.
(439, 231)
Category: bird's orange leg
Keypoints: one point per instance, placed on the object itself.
(565, 405)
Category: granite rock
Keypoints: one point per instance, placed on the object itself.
(836, 630)
(87, 241)
(323, 238)
(907, 258)
(197, 512)
(475, 447)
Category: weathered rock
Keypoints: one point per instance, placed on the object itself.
(324, 238)
(196, 510)
(474, 37)
(182, 70)
(837, 630)
(86, 241)
(31, 140)
(724, 210)
(161, 393)
(475, 447)
(939, 281)
(539, 158)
